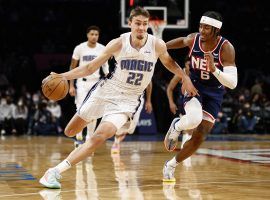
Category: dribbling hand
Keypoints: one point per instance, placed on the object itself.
(72, 91)
(208, 56)
(187, 86)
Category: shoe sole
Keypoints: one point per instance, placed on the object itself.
(169, 180)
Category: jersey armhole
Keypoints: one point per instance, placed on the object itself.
(219, 54)
(193, 43)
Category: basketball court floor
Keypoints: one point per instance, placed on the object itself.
(225, 167)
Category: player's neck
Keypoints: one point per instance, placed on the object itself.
(137, 43)
(91, 45)
(210, 44)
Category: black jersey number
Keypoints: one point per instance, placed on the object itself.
(134, 78)
(205, 75)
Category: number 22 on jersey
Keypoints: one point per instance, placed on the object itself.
(134, 78)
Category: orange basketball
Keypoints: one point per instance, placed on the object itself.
(55, 87)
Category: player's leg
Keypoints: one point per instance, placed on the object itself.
(91, 128)
(211, 108)
(188, 149)
(105, 130)
(52, 176)
(186, 135)
(116, 144)
(80, 95)
(128, 128)
(191, 119)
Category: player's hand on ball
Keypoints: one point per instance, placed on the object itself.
(55, 86)
(72, 91)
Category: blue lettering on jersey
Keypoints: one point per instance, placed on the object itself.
(136, 65)
(88, 57)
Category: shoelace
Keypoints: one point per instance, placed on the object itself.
(171, 169)
(56, 175)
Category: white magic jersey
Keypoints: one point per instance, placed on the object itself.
(85, 54)
(122, 91)
(134, 69)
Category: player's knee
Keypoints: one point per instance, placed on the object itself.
(99, 139)
(194, 120)
(69, 132)
(194, 113)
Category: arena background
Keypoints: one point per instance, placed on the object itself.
(39, 36)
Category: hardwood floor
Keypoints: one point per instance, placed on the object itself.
(238, 169)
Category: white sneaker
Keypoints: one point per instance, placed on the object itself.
(171, 138)
(51, 179)
(168, 173)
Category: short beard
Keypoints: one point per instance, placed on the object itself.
(140, 37)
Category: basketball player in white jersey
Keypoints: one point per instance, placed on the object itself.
(116, 98)
(121, 134)
(82, 55)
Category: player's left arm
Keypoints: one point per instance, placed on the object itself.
(229, 76)
(173, 67)
(148, 103)
(112, 47)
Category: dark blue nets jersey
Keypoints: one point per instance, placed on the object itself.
(199, 72)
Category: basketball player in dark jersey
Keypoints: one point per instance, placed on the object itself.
(212, 68)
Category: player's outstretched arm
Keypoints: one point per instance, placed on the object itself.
(172, 66)
(181, 42)
(111, 48)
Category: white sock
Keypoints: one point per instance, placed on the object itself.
(63, 166)
(193, 116)
(173, 162)
(116, 140)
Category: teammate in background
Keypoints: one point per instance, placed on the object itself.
(82, 55)
(212, 67)
(116, 98)
(122, 132)
(186, 134)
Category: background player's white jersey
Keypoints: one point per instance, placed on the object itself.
(85, 54)
(134, 68)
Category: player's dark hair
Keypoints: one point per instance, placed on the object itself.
(138, 11)
(95, 28)
(214, 15)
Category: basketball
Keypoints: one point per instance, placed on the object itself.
(55, 87)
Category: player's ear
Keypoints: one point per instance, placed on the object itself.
(129, 22)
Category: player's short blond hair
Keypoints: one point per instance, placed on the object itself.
(138, 11)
